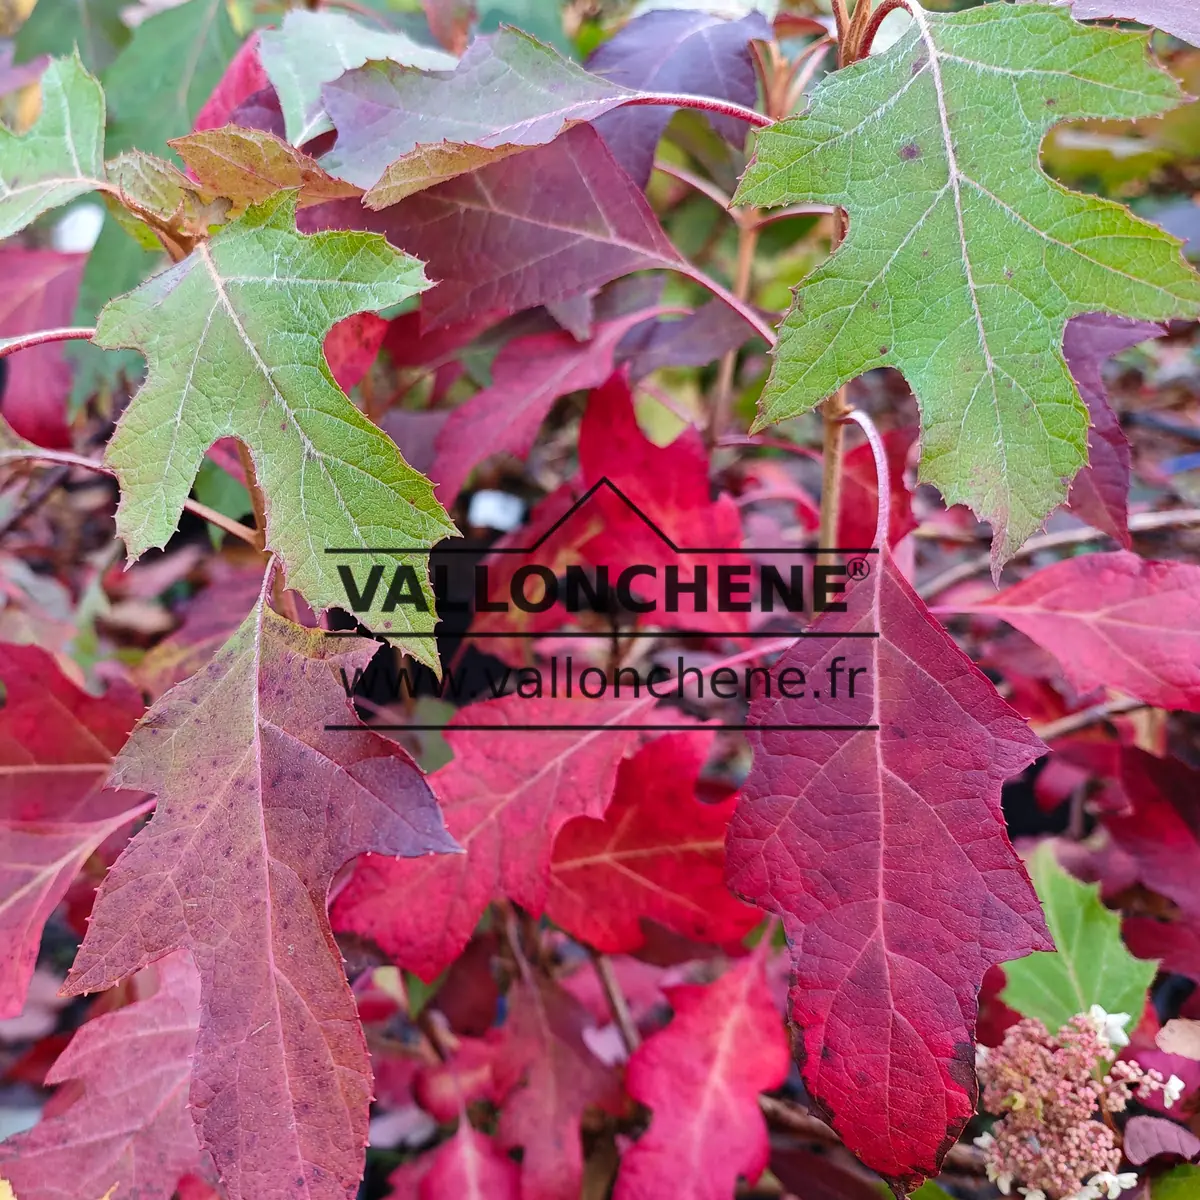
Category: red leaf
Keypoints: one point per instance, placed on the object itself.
(1100, 492)
(669, 485)
(467, 1167)
(1160, 828)
(208, 621)
(557, 220)
(505, 796)
(129, 1132)
(243, 77)
(885, 852)
(446, 1089)
(556, 1077)
(659, 853)
(56, 745)
(258, 807)
(1147, 1137)
(40, 287)
(1113, 620)
(352, 345)
(860, 493)
(528, 375)
(1176, 944)
(694, 52)
(701, 1076)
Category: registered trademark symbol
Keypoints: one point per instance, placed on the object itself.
(858, 568)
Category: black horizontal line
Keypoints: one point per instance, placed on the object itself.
(634, 633)
(597, 728)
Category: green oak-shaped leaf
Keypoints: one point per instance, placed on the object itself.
(1091, 964)
(233, 336)
(963, 260)
(62, 156)
(313, 48)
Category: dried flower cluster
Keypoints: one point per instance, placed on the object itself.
(1054, 1095)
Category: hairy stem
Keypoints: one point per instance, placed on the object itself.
(834, 412)
(24, 341)
(885, 9)
(617, 1004)
(739, 306)
(1176, 518)
(1073, 722)
(37, 454)
(704, 104)
(722, 405)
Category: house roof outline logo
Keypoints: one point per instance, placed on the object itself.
(576, 507)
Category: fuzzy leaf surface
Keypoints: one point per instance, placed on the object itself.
(506, 794)
(249, 166)
(56, 746)
(884, 850)
(701, 1077)
(1091, 964)
(400, 132)
(1114, 620)
(160, 81)
(233, 336)
(129, 1133)
(258, 807)
(312, 48)
(658, 853)
(964, 261)
(557, 220)
(61, 156)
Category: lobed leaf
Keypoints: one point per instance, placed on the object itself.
(61, 156)
(56, 745)
(259, 805)
(557, 220)
(233, 337)
(1090, 965)
(658, 854)
(884, 850)
(701, 1077)
(963, 260)
(129, 1132)
(1113, 620)
(504, 803)
(312, 48)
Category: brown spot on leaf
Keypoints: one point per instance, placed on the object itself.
(910, 151)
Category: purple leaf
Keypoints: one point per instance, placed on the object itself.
(1099, 493)
(399, 130)
(693, 341)
(676, 51)
(556, 220)
(1147, 1137)
(529, 374)
(1178, 17)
